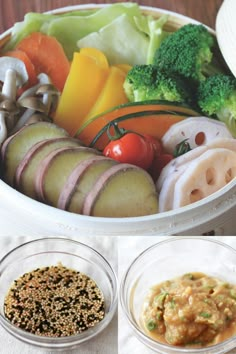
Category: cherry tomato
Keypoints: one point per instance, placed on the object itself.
(156, 144)
(131, 148)
(158, 164)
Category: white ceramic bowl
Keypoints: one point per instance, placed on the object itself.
(166, 260)
(215, 214)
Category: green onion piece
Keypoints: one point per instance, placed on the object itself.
(205, 315)
(189, 276)
(159, 299)
(151, 325)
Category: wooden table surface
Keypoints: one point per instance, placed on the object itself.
(202, 10)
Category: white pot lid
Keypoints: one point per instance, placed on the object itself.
(226, 32)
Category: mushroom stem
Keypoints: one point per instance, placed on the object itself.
(8, 91)
(9, 85)
(47, 100)
(3, 128)
(23, 120)
(43, 79)
(50, 96)
(13, 74)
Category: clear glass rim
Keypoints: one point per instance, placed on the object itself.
(151, 343)
(64, 342)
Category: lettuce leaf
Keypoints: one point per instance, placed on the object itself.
(153, 28)
(120, 30)
(69, 28)
(114, 42)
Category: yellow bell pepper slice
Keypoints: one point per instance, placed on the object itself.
(112, 94)
(97, 55)
(88, 74)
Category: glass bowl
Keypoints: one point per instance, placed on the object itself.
(166, 260)
(72, 254)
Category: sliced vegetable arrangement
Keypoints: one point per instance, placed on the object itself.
(134, 119)
(98, 88)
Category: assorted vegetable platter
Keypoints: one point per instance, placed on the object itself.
(80, 117)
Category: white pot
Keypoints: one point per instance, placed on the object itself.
(20, 215)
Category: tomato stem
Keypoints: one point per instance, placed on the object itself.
(182, 148)
(118, 132)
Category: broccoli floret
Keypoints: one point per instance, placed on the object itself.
(147, 82)
(216, 93)
(188, 52)
(217, 97)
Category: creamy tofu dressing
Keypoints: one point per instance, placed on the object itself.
(193, 311)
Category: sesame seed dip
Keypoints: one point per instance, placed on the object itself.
(54, 301)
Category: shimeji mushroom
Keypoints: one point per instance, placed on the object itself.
(35, 111)
(13, 74)
(26, 116)
(9, 109)
(43, 79)
(32, 103)
(50, 96)
(40, 100)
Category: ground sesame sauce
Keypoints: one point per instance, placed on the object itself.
(54, 301)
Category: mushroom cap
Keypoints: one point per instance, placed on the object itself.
(48, 89)
(9, 63)
(9, 106)
(42, 79)
(32, 103)
(51, 93)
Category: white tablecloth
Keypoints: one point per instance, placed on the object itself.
(105, 343)
(129, 249)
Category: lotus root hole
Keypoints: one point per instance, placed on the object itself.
(200, 138)
(195, 195)
(210, 176)
(228, 175)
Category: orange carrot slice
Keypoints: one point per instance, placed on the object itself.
(48, 56)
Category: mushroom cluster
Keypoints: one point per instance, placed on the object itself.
(35, 104)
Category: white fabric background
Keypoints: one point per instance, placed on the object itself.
(129, 249)
(106, 342)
